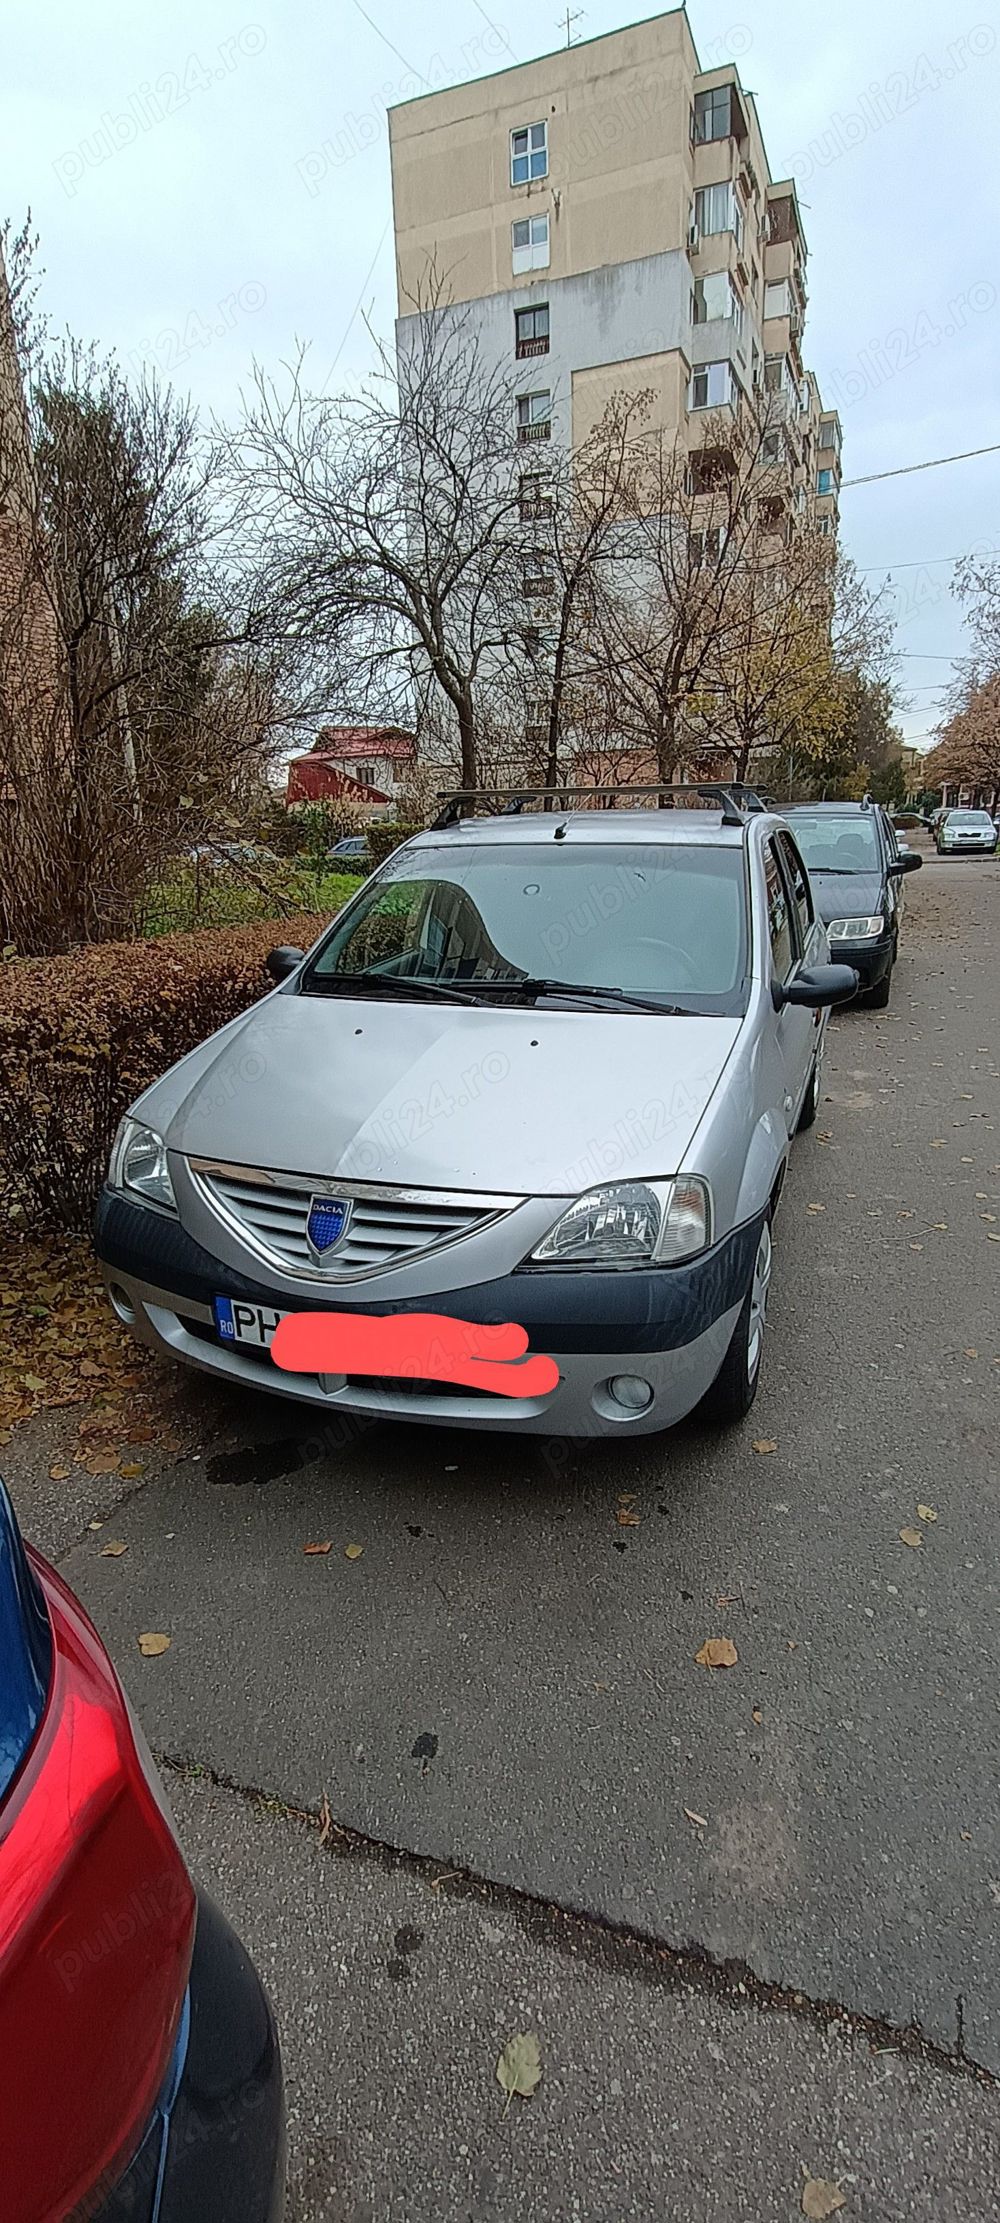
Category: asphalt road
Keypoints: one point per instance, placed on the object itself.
(504, 1684)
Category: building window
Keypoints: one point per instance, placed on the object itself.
(529, 153)
(771, 448)
(539, 582)
(706, 547)
(715, 297)
(716, 209)
(776, 299)
(712, 386)
(824, 482)
(776, 380)
(536, 496)
(824, 526)
(366, 774)
(531, 331)
(534, 416)
(529, 239)
(712, 114)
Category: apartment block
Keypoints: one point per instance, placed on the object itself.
(607, 217)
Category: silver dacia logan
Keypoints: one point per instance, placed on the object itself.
(544, 1069)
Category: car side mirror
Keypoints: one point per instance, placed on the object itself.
(281, 962)
(816, 987)
(907, 862)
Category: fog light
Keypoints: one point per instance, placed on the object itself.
(121, 1304)
(631, 1392)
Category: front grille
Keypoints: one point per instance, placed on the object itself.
(387, 1226)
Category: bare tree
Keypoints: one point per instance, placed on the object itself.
(133, 705)
(968, 753)
(392, 525)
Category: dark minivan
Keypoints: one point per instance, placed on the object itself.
(856, 868)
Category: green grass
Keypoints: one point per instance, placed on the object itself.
(188, 900)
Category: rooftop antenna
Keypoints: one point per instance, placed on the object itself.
(572, 15)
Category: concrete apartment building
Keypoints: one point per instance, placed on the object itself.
(608, 216)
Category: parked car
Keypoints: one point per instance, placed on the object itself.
(353, 849)
(141, 2073)
(966, 833)
(543, 1068)
(856, 868)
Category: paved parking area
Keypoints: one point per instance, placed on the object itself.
(503, 1685)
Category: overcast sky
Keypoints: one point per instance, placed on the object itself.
(246, 202)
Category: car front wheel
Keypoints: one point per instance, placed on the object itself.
(735, 1385)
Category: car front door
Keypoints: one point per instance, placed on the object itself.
(795, 1028)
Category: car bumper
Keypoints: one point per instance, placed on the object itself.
(670, 1327)
(967, 848)
(871, 960)
(216, 2145)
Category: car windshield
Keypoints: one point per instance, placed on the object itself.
(663, 922)
(833, 844)
(969, 818)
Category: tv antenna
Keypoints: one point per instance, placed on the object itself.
(566, 22)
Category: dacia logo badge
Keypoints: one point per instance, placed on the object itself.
(327, 1224)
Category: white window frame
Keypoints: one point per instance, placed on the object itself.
(534, 154)
(716, 400)
(534, 252)
(729, 202)
(710, 96)
(528, 414)
(777, 300)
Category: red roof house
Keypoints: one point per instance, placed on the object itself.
(364, 764)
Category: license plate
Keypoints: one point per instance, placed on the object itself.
(253, 1324)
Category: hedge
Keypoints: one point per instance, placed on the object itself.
(82, 1035)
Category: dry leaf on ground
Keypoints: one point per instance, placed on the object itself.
(766, 1443)
(131, 1473)
(353, 1551)
(699, 1820)
(519, 2067)
(316, 1551)
(717, 1651)
(113, 1551)
(151, 1645)
(821, 2199)
(58, 1474)
(627, 1518)
(926, 1513)
(911, 1536)
(325, 1819)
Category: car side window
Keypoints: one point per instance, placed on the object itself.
(779, 915)
(799, 880)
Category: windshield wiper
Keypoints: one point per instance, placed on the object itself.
(391, 984)
(583, 990)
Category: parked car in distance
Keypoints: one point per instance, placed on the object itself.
(141, 2071)
(966, 833)
(856, 868)
(352, 849)
(545, 1067)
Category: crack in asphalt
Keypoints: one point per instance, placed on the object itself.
(611, 1948)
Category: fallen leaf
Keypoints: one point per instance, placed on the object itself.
(58, 1474)
(792, 1644)
(95, 1524)
(113, 1551)
(325, 1816)
(698, 1819)
(101, 1462)
(815, 1207)
(970, 1354)
(756, 1715)
(766, 1443)
(941, 1143)
(821, 2199)
(316, 1551)
(911, 1536)
(33, 1382)
(130, 1473)
(940, 1226)
(353, 1551)
(926, 1513)
(717, 1651)
(151, 1645)
(626, 1517)
(519, 2068)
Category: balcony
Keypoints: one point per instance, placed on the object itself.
(526, 348)
(541, 431)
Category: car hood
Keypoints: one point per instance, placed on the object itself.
(430, 1095)
(846, 895)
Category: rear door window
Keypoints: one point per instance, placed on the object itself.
(780, 916)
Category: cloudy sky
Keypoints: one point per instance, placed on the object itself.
(245, 203)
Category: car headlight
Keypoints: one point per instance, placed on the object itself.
(632, 1223)
(856, 930)
(139, 1165)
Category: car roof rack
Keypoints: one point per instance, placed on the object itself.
(736, 800)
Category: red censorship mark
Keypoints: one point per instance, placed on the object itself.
(419, 1346)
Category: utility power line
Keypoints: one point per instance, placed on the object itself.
(935, 462)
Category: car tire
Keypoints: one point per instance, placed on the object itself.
(735, 1385)
(811, 1100)
(878, 997)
